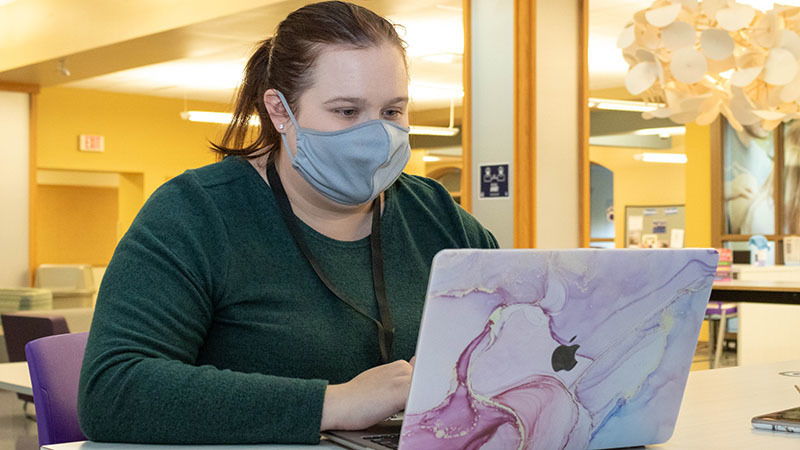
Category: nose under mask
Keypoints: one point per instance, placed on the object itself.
(350, 166)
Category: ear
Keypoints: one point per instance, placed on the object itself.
(277, 113)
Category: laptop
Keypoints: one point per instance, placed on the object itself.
(551, 349)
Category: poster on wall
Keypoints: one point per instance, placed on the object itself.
(748, 180)
(494, 180)
(655, 226)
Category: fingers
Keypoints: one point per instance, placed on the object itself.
(368, 398)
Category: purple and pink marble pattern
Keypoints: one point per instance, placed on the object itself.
(486, 376)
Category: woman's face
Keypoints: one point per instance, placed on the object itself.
(350, 86)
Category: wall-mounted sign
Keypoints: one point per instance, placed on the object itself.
(494, 180)
(91, 143)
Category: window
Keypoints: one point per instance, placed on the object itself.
(758, 185)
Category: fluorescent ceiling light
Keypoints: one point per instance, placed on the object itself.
(664, 132)
(622, 105)
(427, 158)
(225, 118)
(433, 131)
(671, 158)
(213, 117)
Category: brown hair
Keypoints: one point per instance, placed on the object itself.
(285, 61)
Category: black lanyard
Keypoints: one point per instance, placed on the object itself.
(385, 325)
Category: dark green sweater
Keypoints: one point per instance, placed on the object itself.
(211, 327)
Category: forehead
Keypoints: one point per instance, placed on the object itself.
(372, 72)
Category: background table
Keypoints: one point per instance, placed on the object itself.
(768, 316)
(15, 377)
(785, 292)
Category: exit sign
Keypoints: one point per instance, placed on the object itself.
(92, 143)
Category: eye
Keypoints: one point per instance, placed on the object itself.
(392, 114)
(347, 112)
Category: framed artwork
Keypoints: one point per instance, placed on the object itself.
(748, 180)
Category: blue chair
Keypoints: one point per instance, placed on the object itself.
(54, 363)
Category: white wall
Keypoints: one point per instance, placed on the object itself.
(557, 132)
(493, 109)
(14, 189)
(768, 333)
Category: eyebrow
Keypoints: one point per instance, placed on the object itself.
(358, 100)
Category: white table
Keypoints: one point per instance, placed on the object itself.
(718, 404)
(716, 411)
(15, 377)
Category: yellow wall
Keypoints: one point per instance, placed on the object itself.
(698, 183)
(637, 183)
(131, 194)
(146, 142)
(143, 134)
(416, 165)
(76, 224)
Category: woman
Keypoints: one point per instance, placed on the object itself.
(278, 292)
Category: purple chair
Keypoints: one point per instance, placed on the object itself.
(55, 366)
(718, 314)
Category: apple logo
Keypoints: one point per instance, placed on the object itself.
(564, 356)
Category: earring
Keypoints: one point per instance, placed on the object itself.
(280, 126)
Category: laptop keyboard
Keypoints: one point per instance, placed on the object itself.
(391, 440)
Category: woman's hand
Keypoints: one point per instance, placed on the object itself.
(370, 397)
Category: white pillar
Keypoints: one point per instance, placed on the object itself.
(14, 154)
(493, 109)
(557, 128)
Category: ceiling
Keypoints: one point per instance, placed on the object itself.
(215, 74)
(203, 60)
(607, 19)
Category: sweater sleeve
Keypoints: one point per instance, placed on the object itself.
(139, 381)
(477, 235)
(468, 232)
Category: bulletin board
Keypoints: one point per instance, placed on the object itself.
(656, 226)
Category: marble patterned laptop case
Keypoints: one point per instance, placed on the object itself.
(536, 349)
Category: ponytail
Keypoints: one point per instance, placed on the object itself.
(249, 101)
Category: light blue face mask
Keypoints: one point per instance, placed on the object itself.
(350, 166)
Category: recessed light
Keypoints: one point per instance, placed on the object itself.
(669, 158)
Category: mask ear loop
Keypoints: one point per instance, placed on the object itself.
(294, 122)
(288, 110)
